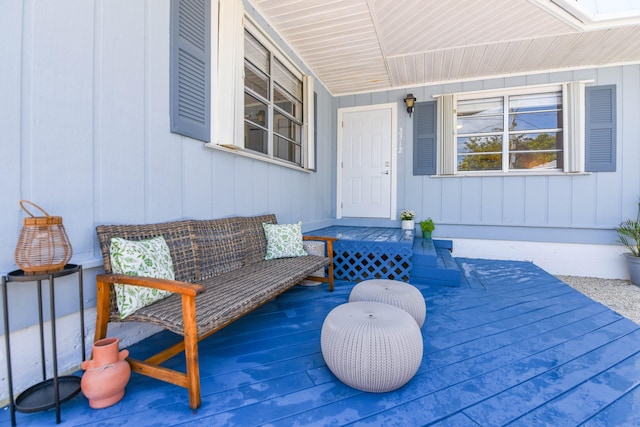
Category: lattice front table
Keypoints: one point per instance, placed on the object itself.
(363, 253)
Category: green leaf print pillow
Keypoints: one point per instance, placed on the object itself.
(150, 258)
(283, 240)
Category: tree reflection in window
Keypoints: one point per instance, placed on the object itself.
(526, 136)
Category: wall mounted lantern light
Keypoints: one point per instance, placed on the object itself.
(410, 100)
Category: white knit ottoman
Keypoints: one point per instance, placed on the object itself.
(371, 346)
(399, 294)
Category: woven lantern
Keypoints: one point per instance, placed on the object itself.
(43, 246)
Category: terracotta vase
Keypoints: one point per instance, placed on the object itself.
(106, 374)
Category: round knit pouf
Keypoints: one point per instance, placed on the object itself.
(399, 294)
(371, 346)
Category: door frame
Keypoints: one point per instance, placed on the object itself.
(394, 152)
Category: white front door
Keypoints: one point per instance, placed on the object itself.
(366, 161)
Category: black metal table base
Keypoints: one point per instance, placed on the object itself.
(42, 396)
(49, 393)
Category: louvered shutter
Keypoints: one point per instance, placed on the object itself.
(600, 136)
(190, 68)
(424, 138)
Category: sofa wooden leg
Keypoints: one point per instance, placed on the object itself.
(103, 302)
(191, 350)
(330, 269)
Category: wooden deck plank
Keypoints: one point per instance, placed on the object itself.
(456, 366)
(526, 345)
(550, 386)
(624, 411)
(590, 397)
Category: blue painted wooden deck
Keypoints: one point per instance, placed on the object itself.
(511, 346)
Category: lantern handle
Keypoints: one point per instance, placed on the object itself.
(22, 202)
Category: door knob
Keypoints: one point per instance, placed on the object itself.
(385, 173)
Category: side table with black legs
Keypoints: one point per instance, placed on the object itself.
(51, 392)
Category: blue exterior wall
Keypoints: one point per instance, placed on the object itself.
(84, 122)
(567, 209)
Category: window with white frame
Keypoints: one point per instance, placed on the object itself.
(276, 107)
(512, 132)
(536, 129)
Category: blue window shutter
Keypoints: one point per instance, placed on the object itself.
(190, 71)
(600, 137)
(424, 138)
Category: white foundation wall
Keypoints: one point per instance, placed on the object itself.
(569, 259)
(26, 361)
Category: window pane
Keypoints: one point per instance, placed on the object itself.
(256, 80)
(287, 150)
(480, 115)
(535, 141)
(255, 138)
(287, 80)
(255, 111)
(478, 107)
(535, 121)
(535, 151)
(287, 103)
(535, 102)
(480, 162)
(480, 144)
(532, 160)
(256, 53)
(288, 128)
(479, 124)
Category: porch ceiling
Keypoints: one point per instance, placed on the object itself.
(368, 45)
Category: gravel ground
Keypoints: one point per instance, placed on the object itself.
(619, 295)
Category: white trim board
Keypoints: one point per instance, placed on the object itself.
(567, 259)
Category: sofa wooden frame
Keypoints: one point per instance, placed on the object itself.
(221, 275)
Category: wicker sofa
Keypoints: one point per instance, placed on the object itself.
(220, 275)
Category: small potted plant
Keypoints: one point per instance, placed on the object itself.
(407, 216)
(629, 235)
(427, 226)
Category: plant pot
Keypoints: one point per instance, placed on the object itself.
(633, 266)
(106, 374)
(426, 234)
(408, 224)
